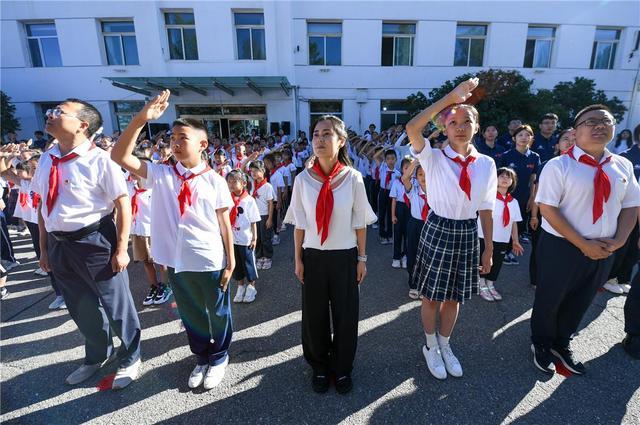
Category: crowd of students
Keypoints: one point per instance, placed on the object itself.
(455, 201)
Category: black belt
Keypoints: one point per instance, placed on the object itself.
(85, 231)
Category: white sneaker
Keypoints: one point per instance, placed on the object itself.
(215, 374)
(395, 264)
(613, 287)
(414, 294)
(259, 263)
(40, 272)
(197, 375)
(126, 375)
(240, 294)
(450, 361)
(404, 262)
(57, 303)
(250, 294)
(625, 287)
(434, 362)
(267, 264)
(12, 265)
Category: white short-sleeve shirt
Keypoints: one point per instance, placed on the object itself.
(141, 222)
(247, 213)
(383, 176)
(263, 196)
(191, 242)
(567, 185)
(398, 190)
(416, 200)
(500, 232)
(446, 198)
(351, 210)
(277, 179)
(87, 189)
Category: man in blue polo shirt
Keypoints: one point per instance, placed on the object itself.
(633, 153)
(544, 143)
(506, 140)
(486, 144)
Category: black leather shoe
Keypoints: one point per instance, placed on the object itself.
(320, 383)
(631, 345)
(344, 384)
(565, 355)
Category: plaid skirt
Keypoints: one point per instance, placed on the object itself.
(447, 261)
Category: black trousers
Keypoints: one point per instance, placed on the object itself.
(625, 258)
(375, 189)
(330, 300)
(5, 240)
(99, 300)
(367, 188)
(385, 229)
(414, 228)
(533, 259)
(400, 231)
(264, 247)
(35, 240)
(632, 309)
(499, 251)
(567, 284)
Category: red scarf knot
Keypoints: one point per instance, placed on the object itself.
(54, 178)
(465, 180)
(233, 214)
(601, 183)
(506, 215)
(134, 201)
(257, 188)
(324, 204)
(184, 196)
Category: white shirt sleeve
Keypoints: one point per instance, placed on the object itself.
(362, 214)
(113, 181)
(632, 196)
(550, 184)
(253, 215)
(296, 214)
(223, 196)
(489, 199)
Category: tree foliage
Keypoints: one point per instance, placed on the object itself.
(8, 122)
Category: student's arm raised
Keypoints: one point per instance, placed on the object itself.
(122, 152)
(406, 176)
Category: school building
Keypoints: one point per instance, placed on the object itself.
(240, 65)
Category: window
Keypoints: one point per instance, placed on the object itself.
(120, 42)
(43, 44)
(250, 35)
(393, 112)
(604, 48)
(537, 53)
(470, 45)
(325, 43)
(324, 107)
(181, 33)
(397, 44)
(125, 111)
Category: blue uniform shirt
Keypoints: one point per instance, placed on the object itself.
(544, 147)
(496, 152)
(633, 155)
(506, 141)
(524, 165)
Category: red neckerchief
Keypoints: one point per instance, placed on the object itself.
(506, 215)
(220, 168)
(406, 199)
(233, 214)
(388, 178)
(465, 180)
(273, 171)
(376, 173)
(257, 188)
(601, 182)
(324, 203)
(54, 177)
(425, 206)
(134, 201)
(184, 196)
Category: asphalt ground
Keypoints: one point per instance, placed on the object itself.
(268, 381)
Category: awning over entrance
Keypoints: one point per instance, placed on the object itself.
(200, 85)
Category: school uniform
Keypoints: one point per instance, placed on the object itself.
(299, 159)
(505, 213)
(544, 147)
(448, 252)
(387, 176)
(141, 222)
(187, 239)
(243, 214)
(222, 169)
(506, 141)
(375, 185)
(363, 165)
(237, 161)
(567, 279)
(81, 240)
(524, 165)
(330, 266)
(494, 152)
(419, 210)
(263, 193)
(398, 193)
(276, 178)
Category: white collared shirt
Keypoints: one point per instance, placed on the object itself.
(416, 200)
(291, 169)
(247, 214)
(383, 176)
(192, 242)
(277, 179)
(88, 186)
(500, 232)
(446, 198)
(397, 190)
(567, 185)
(263, 196)
(141, 222)
(351, 210)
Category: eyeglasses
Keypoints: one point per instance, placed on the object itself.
(592, 122)
(56, 112)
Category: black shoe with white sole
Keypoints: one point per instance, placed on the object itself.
(543, 359)
(344, 384)
(565, 355)
(320, 383)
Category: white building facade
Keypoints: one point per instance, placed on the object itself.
(241, 65)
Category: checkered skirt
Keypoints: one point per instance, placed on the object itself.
(448, 258)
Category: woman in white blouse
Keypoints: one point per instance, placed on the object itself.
(330, 212)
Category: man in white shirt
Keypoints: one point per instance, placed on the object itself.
(588, 199)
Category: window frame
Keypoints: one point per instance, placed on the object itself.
(472, 37)
(120, 35)
(394, 111)
(614, 45)
(39, 38)
(181, 27)
(250, 27)
(395, 36)
(319, 114)
(117, 114)
(324, 35)
(552, 39)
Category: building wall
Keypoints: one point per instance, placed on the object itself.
(360, 81)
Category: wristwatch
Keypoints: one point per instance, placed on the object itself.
(362, 258)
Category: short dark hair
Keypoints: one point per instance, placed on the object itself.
(405, 160)
(490, 125)
(549, 116)
(89, 114)
(191, 123)
(38, 133)
(636, 134)
(390, 152)
(596, 107)
(236, 175)
(514, 177)
(258, 165)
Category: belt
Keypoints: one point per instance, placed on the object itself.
(85, 231)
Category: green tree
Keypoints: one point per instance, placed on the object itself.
(8, 122)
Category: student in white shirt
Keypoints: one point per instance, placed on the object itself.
(220, 163)
(588, 199)
(81, 244)
(462, 184)
(400, 217)
(330, 213)
(244, 217)
(388, 174)
(278, 181)
(191, 234)
(265, 196)
(506, 215)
